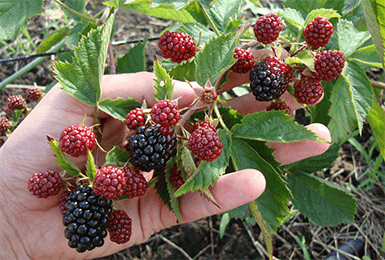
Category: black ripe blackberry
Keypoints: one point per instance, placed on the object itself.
(151, 149)
(269, 79)
(86, 218)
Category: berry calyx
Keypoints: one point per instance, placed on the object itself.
(279, 105)
(165, 113)
(120, 227)
(328, 64)
(45, 184)
(34, 94)
(16, 102)
(136, 184)
(205, 144)
(245, 61)
(86, 218)
(267, 28)
(308, 90)
(5, 124)
(318, 32)
(269, 79)
(135, 118)
(176, 46)
(109, 182)
(76, 139)
(206, 124)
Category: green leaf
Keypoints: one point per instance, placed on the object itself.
(116, 156)
(82, 79)
(351, 100)
(321, 201)
(134, 60)
(376, 119)
(184, 70)
(14, 14)
(325, 13)
(273, 202)
(61, 158)
(197, 30)
(161, 11)
(375, 19)
(177, 4)
(304, 57)
(349, 38)
(272, 126)
(162, 189)
(221, 11)
(215, 59)
(315, 163)
(293, 17)
(163, 84)
(51, 40)
(90, 166)
(306, 6)
(208, 172)
(367, 57)
(119, 107)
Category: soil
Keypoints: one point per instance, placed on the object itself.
(200, 239)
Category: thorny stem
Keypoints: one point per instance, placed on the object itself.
(211, 23)
(298, 51)
(111, 58)
(83, 16)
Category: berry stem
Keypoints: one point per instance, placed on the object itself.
(111, 57)
(211, 23)
(298, 51)
(218, 114)
(83, 16)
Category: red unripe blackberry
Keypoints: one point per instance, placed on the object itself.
(279, 105)
(136, 184)
(135, 118)
(176, 46)
(86, 218)
(318, 32)
(149, 148)
(206, 124)
(245, 61)
(328, 64)
(45, 184)
(5, 124)
(120, 227)
(16, 102)
(205, 144)
(267, 28)
(176, 177)
(76, 139)
(269, 79)
(109, 182)
(34, 94)
(308, 90)
(165, 113)
(63, 201)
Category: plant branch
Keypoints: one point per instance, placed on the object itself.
(377, 84)
(111, 58)
(218, 114)
(83, 16)
(211, 23)
(30, 66)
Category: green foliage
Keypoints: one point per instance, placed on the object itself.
(116, 156)
(163, 84)
(376, 120)
(320, 200)
(134, 60)
(14, 14)
(90, 165)
(119, 107)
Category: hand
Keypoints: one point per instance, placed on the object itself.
(32, 227)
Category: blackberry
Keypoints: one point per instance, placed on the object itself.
(135, 118)
(308, 90)
(205, 144)
(34, 94)
(149, 148)
(136, 184)
(267, 28)
(120, 227)
(86, 218)
(318, 32)
(328, 64)
(76, 139)
(269, 79)
(245, 61)
(176, 46)
(176, 177)
(45, 184)
(280, 105)
(165, 113)
(16, 102)
(5, 124)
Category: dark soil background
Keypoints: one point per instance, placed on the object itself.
(200, 240)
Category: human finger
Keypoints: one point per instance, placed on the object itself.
(286, 153)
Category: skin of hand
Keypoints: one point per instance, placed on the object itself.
(31, 228)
